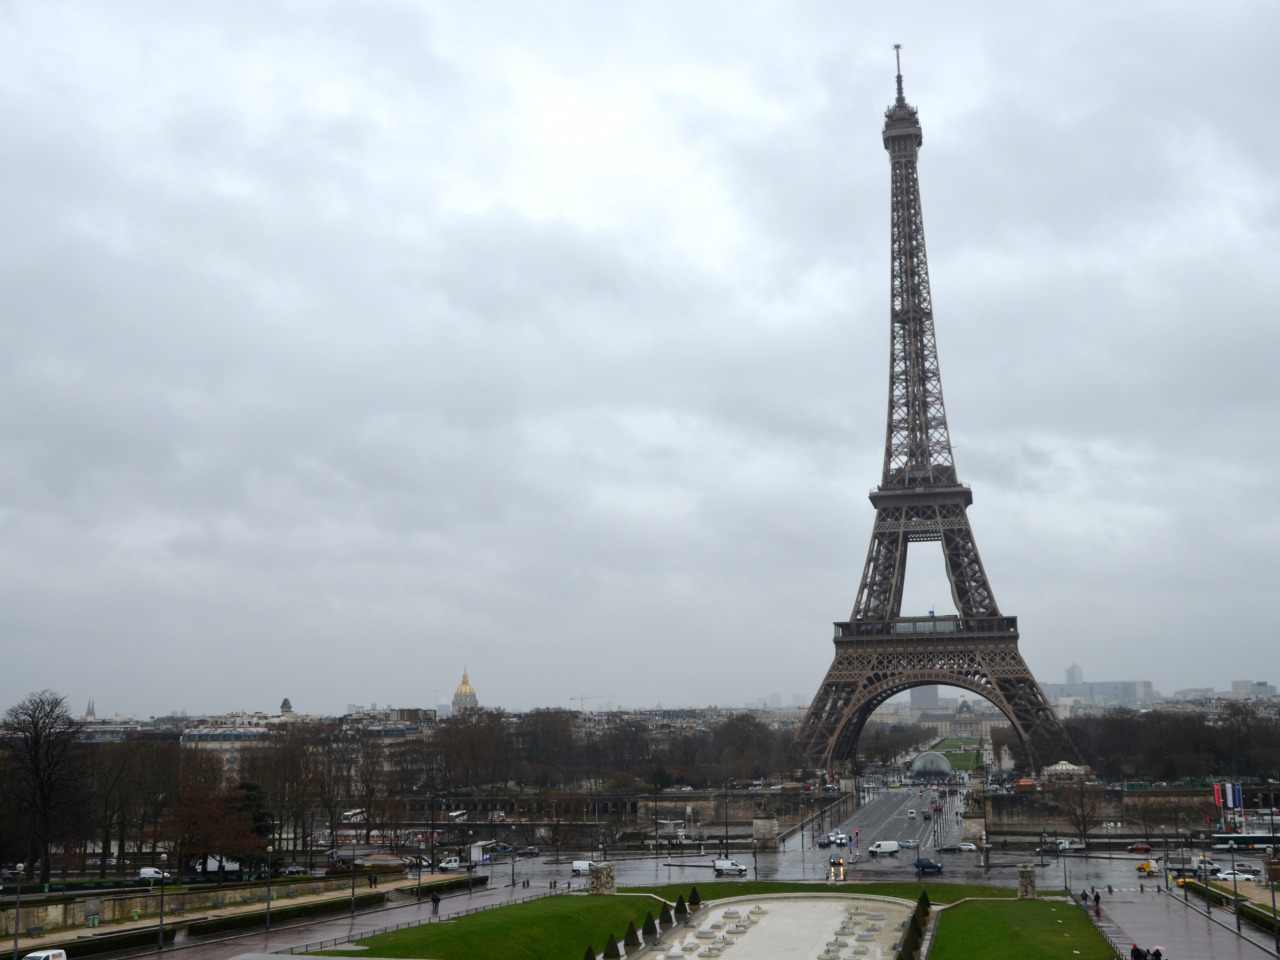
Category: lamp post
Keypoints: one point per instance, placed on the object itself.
(419, 871)
(1167, 876)
(1271, 878)
(726, 819)
(17, 910)
(512, 854)
(164, 859)
(1235, 886)
(270, 849)
(353, 883)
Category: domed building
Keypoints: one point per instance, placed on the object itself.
(464, 698)
(931, 764)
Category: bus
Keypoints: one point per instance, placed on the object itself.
(1246, 841)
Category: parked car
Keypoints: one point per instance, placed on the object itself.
(949, 848)
(1139, 848)
(1228, 875)
(293, 870)
(529, 852)
(502, 848)
(10, 876)
(928, 866)
(968, 848)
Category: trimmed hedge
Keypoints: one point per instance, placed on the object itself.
(236, 921)
(111, 942)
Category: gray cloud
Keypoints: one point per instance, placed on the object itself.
(344, 344)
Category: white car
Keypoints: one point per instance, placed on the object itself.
(1230, 875)
(967, 848)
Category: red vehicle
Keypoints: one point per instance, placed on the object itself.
(1139, 848)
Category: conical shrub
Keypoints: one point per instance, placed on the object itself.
(632, 939)
(650, 928)
(681, 909)
(611, 951)
(664, 917)
(590, 954)
(695, 901)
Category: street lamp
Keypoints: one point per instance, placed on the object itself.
(17, 910)
(270, 849)
(512, 854)
(1235, 886)
(1271, 878)
(164, 858)
(419, 871)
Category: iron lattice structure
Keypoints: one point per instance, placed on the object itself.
(878, 651)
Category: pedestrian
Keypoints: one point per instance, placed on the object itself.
(1156, 954)
(1084, 898)
(435, 902)
(1137, 953)
(1097, 900)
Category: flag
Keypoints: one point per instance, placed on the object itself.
(1217, 794)
(1239, 795)
(1229, 790)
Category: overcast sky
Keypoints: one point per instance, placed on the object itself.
(347, 344)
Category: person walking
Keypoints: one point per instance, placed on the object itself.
(435, 902)
(1097, 904)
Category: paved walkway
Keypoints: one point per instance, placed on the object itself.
(1153, 919)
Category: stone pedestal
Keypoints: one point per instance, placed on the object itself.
(602, 879)
(1026, 881)
(764, 833)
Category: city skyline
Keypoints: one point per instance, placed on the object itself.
(347, 346)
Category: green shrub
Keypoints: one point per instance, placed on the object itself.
(650, 928)
(681, 909)
(695, 901)
(611, 951)
(590, 954)
(664, 917)
(632, 939)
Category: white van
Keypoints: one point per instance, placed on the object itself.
(152, 873)
(889, 847)
(582, 866)
(46, 955)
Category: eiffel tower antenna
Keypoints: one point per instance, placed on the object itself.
(879, 652)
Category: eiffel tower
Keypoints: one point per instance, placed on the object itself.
(879, 652)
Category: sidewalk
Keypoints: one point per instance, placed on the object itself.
(1159, 919)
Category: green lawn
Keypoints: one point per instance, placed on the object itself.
(1018, 929)
(938, 892)
(553, 928)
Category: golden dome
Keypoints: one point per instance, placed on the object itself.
(465, 688)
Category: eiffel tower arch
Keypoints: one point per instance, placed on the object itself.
(879, 652)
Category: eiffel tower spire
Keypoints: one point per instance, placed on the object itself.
(879, 652)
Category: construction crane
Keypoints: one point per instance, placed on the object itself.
(582, 701)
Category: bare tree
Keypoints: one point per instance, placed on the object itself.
(44, 763)
(1081, 805)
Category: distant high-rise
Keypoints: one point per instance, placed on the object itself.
(1074, 674)
(464, 698)
(924, 698)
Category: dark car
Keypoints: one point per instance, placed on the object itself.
(528, 852)
(1048, 850)
(293, 870)
(1139, 848)
(824, 842)
(11, 876)
(928, 866)
(926, 815)
(502, 848)
(949, 848)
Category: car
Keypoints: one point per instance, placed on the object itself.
(293, 870)
(949, 848)
(926, 815)
(928, 866)
(1227, 876)
(1049, 849)
(824, 842)
(968, 848)
(502, 848)
(909, 844)
(11, 876)
(152, 873)
(529, 852)
(1139, 848)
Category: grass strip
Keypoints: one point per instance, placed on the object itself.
(1017, 929)
(552, 928)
